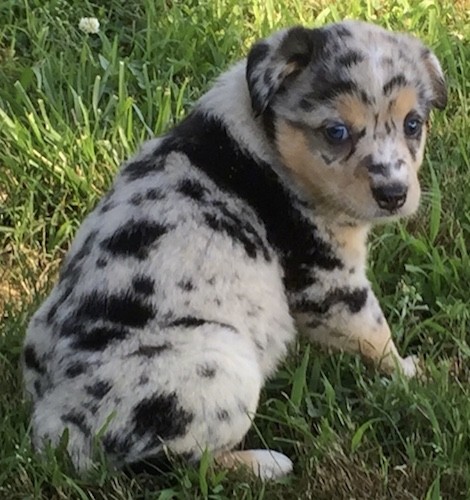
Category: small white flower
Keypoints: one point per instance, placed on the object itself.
(89, 25)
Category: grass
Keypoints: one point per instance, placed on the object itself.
(73, 106)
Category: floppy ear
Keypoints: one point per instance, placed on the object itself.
(271, 61)
(438, 82)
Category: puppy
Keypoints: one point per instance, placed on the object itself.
(220, 240)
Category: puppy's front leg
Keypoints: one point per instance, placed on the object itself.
(351, 320)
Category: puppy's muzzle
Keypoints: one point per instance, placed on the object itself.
(390, 197)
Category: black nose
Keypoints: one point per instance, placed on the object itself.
(390, 197)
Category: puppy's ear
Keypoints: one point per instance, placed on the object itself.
(271, 61)
(438, 83)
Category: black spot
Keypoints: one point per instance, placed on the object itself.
(396, 81)
(70, 271)
(98, 338)
(192, 189)
(209, 147)
(239, 229)
(87, 245)
(75, 369)
(106, 207)
(223, 415)
(268, 76)
(92, 407)
(376, 122)
(153, 194)
(160, 417)
(192, 322)
(32, 361)
(141, 168)
(38, 388)
(143, 285)
(60, 300)
(122, 308)
(402, 55)
(106, 203)
(134, 238)
(340, 31)
(144, 379)
(232, 230)
(360, 134)
(350, 58)
(306, 104)
(366, 99)
(99, 389)
(117, 446)
(188, 321)
(186, 285)
(379, 168)
(79, 420)
(399, 164)
(100, 263)
(335, 89)
(379, 319)
(206, 371)
(149, 351)
(136, 199)
(354, 300)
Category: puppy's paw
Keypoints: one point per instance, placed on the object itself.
(410, 367)
(269, 464)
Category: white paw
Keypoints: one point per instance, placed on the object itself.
(410, 366)
(269, 464)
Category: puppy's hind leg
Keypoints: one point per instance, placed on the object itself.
(217, 381)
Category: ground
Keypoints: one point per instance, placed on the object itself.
(73, 105)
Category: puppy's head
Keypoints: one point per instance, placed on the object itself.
(346, 106)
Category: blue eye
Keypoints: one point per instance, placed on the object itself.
(412, 126)
(337, 133)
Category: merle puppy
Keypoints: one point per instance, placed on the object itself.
(220, 240)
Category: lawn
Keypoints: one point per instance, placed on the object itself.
(73, 106)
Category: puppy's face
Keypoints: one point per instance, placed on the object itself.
(346, 107)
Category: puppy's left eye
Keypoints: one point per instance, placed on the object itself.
(412, 126)
(336, 133)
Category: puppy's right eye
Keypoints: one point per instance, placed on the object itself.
(336, 133)
(412, 125)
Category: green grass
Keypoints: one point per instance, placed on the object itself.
(73, 106)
